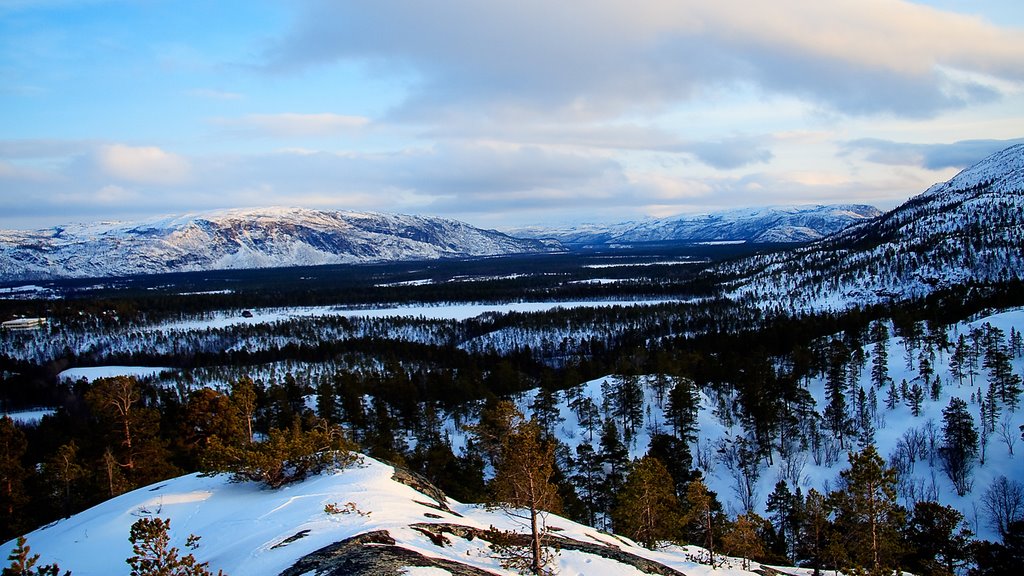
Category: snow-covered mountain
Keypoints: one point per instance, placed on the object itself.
(759, 225)
(368, 519)
(966, 231)
(238, 239)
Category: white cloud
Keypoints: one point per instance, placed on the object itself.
(583, 59)
(291, 125)
(142, 164)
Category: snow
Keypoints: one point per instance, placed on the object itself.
(94, 372)
(247, 530)
(29, 416)
(928, 475)
(451, 311)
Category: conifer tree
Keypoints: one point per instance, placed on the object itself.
(154, 556)
(13, 474)
(880, 354)
(743, 539)
(702, 517)
(62, 473)
(815, 530)
(784, 508)
(647, 510)
(286, 456)
(615, 458)
(243, 396)
(938, 541)
(523, 485)
(836, 418)
(24, 563)
(587, 478)
(960, 445)
(867, 513)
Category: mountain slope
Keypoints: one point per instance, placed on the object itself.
(966, 231)
(385, 522)
(759, 225)
(237, 239)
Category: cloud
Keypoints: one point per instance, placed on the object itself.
(143, 164)
(731, 153)
(961, 154)
(579, 59)
(291, 125)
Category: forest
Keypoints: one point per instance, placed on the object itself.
(619, 396)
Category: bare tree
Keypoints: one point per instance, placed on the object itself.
(1004, 503)
(1008, 433)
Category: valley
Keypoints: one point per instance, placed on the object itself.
(767, 376)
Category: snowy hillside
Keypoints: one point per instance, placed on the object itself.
(366, 519)
(909, 441)
(966, 231)
(772, 224)
(238, 239)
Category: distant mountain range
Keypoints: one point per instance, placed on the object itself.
(965, 232)
(758, 225)
(241, 239)
(283, 237)
(780, 223)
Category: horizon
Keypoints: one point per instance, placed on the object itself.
(501, 115)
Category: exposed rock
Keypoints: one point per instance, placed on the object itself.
(372, 554)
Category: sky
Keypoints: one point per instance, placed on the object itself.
(498, 113)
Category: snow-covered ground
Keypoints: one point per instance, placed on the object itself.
(247, 530)
(28, 416)
(94, 372)
(453, 311)
(925, 480)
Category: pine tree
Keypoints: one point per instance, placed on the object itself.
(647, 509)
(815, 530)
(960, 445)
(24, 563)
(587, 478)
(154, 556)
(867, 513)
(783, 506)
(939, 542)
(62, 473)
(683, 406)
(615, 459)
(523, 485)
(243, 397)
(958, 360)
(13, 474)
(915, 399)
(132, 429)
(743, 539)
(702, 517)
(836, 418)
(546, 411)
(286, 456)
(880, 354)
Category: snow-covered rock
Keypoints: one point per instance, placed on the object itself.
(239, 239)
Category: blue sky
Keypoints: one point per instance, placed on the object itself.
(498, 113)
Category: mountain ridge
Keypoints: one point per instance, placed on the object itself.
(966, 231)
(245, 238)
(772, 224)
